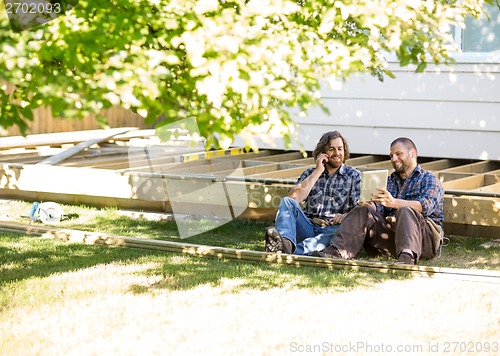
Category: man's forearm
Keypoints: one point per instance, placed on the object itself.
(400, 203)
(300, 191)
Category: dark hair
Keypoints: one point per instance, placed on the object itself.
(324, 144)
(405, 141)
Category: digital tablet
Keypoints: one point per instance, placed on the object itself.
(370, 181)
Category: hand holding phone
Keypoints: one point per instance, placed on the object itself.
(321, 160)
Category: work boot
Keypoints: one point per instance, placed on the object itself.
(276, 243)
(406, 259)
(329, 252)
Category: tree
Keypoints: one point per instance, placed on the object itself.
(236, 66)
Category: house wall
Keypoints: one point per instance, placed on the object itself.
(448, 112)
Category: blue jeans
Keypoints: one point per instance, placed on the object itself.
(292, 223)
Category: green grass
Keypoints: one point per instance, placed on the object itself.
(462, 252)
(25, 257)
(53, 292)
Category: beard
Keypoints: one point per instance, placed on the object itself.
(401, 168)
(334, 163)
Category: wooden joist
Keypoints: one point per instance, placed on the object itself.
(81, 146)
(112, 188)
(126, 176)
(58, 139)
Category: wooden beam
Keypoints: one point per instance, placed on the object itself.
(51, 139)
(211, 167)
(364, 160)
(470, 210)
(237, 151)
(281, 157)
(283, 173)
(466, 183)
(441, 164)
(477, 167)
(304, 161)
(377, 165)
(451, 176)
(491, 178)
(104, 136)
(489, 188)
(252, 170)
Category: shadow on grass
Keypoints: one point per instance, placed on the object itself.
(462, 252)
(240, 234)
(24, 257)
(236, 275)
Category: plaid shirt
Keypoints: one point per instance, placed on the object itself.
(338, 193)
(422, 186)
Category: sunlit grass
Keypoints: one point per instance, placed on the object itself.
(69, 298)
(462, 252)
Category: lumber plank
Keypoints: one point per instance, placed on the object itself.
(283, 173)
(477, 167)
(465, 183)
(51, 139)
(281, 157)
(302, 161)
(491, 178)
(364, 160)
(376, 165)
(442, 164)
(252, 169)
(104, 136)
(212, 167)
(135, 133)
(212, 154)
(488, 188)
(451, 176)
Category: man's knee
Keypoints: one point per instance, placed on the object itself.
(288, 202)
(406, 211)
(363, 209)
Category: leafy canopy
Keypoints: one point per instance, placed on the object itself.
(236, 66)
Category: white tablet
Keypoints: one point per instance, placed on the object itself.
(370, 181)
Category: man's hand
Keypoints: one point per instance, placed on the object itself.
(320, 162)
(383, 197)
(337, 219)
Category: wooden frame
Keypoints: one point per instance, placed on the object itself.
(104, 174)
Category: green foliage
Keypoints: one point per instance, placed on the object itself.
(236, 66)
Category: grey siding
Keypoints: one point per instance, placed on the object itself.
(453, 114)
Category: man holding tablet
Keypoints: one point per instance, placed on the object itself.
(329, 191)
(404, 221)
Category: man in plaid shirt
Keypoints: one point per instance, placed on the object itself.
(406, 221)
(329, 191)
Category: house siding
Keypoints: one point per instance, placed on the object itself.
(452, 113)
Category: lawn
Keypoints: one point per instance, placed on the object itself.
(67, 298)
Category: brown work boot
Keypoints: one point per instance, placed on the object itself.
(329, 252)
(276, 243)
(405, 258)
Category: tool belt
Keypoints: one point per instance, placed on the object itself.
(437, 236)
